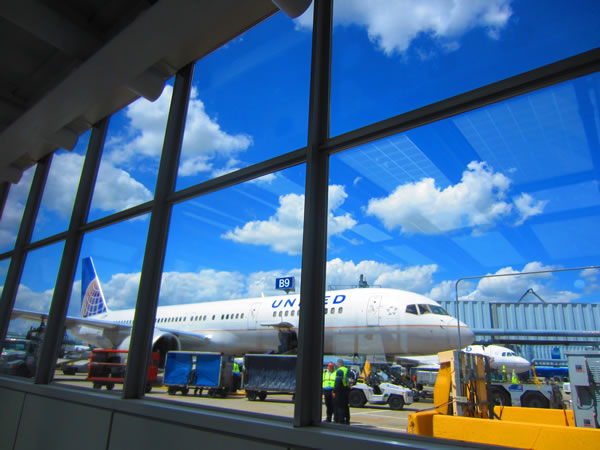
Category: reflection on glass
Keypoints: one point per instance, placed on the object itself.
(26, 329)
(60, 190)
(13, 210)
(4, 264)
(218, 293)
(511, 188)
(129, 165)
(106, 283)
(254, 109)
(390, 59)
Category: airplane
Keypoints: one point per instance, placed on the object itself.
(357, 321)
(499, 357)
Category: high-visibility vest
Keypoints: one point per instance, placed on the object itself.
(344, 370)
(236, 368)
(328, 379)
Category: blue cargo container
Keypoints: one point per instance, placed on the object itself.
(269, 374)
(199, 371)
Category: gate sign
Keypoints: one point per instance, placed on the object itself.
(287, 283)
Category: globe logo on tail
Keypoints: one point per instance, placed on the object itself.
(93, 300)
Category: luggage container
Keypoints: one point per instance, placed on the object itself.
(269, 374)
(199, 371)
(108, 367)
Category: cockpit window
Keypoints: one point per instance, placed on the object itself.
(424, 309)
(438, 310)
(411, 309)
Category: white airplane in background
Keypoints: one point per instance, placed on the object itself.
(499, 357)
(358, 321)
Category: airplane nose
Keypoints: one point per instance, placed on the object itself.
(467, 337)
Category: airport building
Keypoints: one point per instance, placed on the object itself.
(198, 151)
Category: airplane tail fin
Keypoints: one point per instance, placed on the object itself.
(92, 298)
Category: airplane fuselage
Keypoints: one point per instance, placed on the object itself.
(357, 321)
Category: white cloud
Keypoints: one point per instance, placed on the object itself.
(204, 286)
(117, 190)
(413, 278)
(29, 300)
(511, 288)
(393, 26)
(477, 201)
(13, 209)
(204, 141)
(283, 231)
(528, 207)
(588, 281)
(446, 290)
(63, 179)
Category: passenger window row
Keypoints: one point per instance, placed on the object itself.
(231, 316)
(195, 318)
(294, 312)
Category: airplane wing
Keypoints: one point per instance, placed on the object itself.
(428, 362)
(106, 334)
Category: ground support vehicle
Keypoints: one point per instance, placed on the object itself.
(74, 362)
(463, 412)
(394, 395)
(19, 357)
(269, 374)
(528, 395)
(199, 371)
(107, 368)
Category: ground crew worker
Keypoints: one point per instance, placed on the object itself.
(504, 374)
(514, 379)
(237, 376)
(341, 392)
(328, 385)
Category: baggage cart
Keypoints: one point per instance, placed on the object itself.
(199, 371)
(269, 374)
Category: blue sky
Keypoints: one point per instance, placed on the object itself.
(509, 188)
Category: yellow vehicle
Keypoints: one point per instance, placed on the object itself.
(464, 412)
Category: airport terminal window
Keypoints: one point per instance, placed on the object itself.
(129, 164)
(13, 210)
(34, 295)
(116, 253)
(390, 59)
(492, 191)
(231, 245)
(59, 193)
(252, 113)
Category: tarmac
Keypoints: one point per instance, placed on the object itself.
(379, 417)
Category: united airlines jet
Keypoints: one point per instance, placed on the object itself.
(362, 321)
(501, 358)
